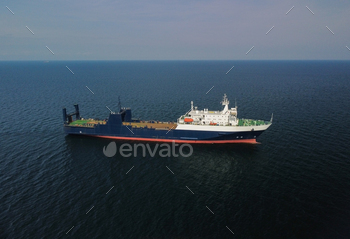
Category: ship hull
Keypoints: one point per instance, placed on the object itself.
(177, 135)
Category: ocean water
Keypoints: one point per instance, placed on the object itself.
(295, 184)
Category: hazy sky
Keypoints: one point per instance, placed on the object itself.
(174, 30)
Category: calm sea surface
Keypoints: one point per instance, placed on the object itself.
(295, 184)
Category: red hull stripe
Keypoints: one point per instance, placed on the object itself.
(247, 141)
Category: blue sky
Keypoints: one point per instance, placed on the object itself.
(174, 30)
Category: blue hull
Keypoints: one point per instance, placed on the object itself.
(159, 135)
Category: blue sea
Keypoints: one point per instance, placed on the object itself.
(294, 184)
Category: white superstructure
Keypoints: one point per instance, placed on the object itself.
(226, 117)
(224, 120)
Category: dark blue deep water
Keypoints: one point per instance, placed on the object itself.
(295, 184)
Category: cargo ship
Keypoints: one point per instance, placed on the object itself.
(195, 126)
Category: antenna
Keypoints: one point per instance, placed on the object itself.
(119, 103)
(225, 100)
(271, 118)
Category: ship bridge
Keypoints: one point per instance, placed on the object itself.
(225, 117)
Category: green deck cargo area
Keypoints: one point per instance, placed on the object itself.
(87, 122)
(250, 122)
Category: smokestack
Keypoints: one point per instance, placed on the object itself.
(77, 115)
(64, 111)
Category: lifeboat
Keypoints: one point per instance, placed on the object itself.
(188, 120)
(211, 123)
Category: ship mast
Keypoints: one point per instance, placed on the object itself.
(119, 104)
(225, 103)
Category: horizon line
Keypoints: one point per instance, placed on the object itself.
(46, 61)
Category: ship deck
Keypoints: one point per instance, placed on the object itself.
(87, 122)
(251, 122)
(142, 124)
(157, 125)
